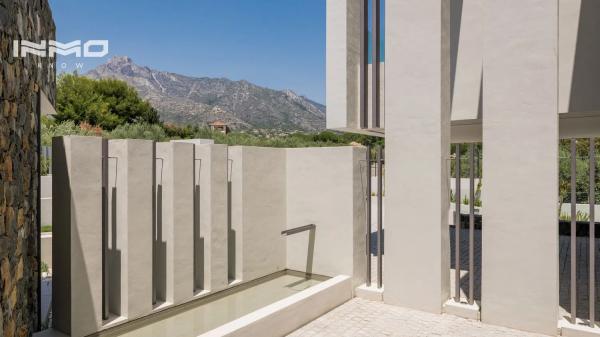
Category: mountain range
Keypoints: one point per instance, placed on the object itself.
(183, 99)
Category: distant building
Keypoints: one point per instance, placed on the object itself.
(219, 125)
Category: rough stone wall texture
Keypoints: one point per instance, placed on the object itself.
(20, 81)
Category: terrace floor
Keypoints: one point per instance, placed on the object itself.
(359, 317)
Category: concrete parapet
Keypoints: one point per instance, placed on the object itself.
(174, 241)
(211, 214)
(325, 187)
(77, 233)
(130, 188)
(257, 211)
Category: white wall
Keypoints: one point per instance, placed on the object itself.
(258, 210)
(325, 187)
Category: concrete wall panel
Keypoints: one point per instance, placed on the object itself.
(343, 63)
(579, 51)
(325, 187)
(520, 165)
(130, 178)
(175, 220)
(258, 211)
(467, 58)
(77, 233)
(211, 196)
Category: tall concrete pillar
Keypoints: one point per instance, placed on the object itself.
(211, 218)
(520, 165)
(174, 242)
(130, 177)
(77, 235)
(343, 64)
(417, 150)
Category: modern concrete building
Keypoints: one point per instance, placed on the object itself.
(515, 76)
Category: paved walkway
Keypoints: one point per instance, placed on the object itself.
(360, 317)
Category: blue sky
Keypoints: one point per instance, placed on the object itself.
(279, 44)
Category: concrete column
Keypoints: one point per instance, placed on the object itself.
(258, 211)
(417, 149)
(332, 197)
(174, 243)
(520, 165)
(130, 177)
(77, 235)
(343, 64)
(211, 217)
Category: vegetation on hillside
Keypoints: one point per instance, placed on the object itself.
(165, 132)
(112, 109)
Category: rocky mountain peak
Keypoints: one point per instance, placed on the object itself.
(119, 61)
(182, 99)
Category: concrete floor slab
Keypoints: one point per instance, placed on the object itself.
(360, 317)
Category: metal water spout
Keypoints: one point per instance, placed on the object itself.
(298, 229)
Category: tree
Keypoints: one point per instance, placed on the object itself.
(106, 103)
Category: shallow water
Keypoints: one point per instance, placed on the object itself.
(207, 316)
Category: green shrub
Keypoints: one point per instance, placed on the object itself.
(465, 200)
(45, 165)
(52, 129)
(106, 103)
(138, 131)
(579, 216)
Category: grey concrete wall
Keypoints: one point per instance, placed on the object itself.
(325, 187)
(77, 233)
(579, 56)
(417, 197)
(520, 125)
(270, 189)
(258, 211)
(130, 188)
(466, 58)
(211, 195)
(174, 243)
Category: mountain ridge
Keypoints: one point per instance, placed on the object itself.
(183, 99)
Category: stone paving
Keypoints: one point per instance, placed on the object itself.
(360, 317)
